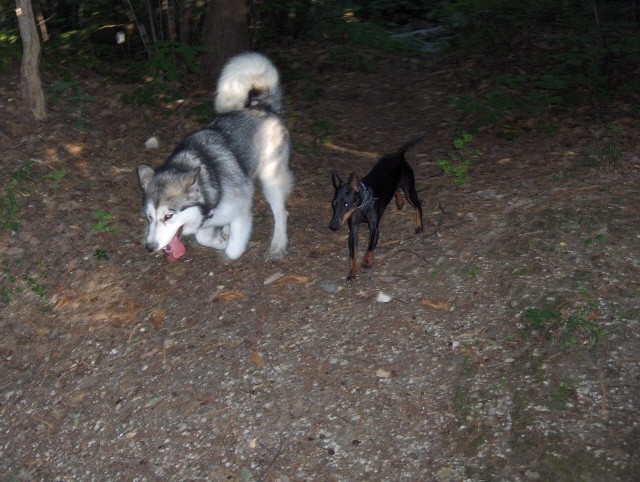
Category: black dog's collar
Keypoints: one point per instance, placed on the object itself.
(367, 197)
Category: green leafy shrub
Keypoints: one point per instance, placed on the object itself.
(458, 162)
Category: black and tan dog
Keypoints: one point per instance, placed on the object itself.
(364, 200)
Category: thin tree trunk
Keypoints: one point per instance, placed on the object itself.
(30, 83)
(184, 18)
(152, 23)
(167, 10)
(141, 29)
(225, 31)
(41, 22)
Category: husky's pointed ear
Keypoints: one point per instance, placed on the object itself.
(145, 174)
(191, 177)
(354, 182)
(335, 178)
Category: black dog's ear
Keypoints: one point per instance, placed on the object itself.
(354, 182)
(337, 182)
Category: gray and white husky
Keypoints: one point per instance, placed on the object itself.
(205, 188)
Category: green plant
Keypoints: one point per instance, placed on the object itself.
(170, 56)
(587, 56)
(604, 157)
(322, 131)
(7, 278)
(569, 329)
(18, 282)
(459, 161)
(73, 94)
(55, 177)
(35, 286)
(101, 254)
(473, 272)
(104, 222)
(13, 188)
(559, 396)
(202, 112)
(10, 50)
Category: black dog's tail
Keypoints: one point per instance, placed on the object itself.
(409, 144)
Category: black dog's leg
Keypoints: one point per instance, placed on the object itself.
(408, 184)
(399, 199)
(353, 245)
(367, 260)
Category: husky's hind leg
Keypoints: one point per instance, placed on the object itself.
(276, 189)
(216, 237)
(239, 233)
(277, 182)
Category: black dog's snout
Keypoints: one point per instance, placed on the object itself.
(334, 224)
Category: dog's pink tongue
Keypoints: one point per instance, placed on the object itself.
(175, 249)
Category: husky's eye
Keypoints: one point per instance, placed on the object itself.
(168, 216)
(346, 205)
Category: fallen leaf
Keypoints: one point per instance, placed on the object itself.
(292, 277)
(256, 359)
(439, 305)
(157, 317)
(152, 402)
(228, 295)
(253, 443)
(274, 277)
(380, 373)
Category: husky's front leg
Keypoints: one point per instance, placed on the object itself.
(239, 233)
(216, 237)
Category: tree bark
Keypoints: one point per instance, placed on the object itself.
(225, 31)
(30, 83)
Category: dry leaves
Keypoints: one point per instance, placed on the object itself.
(228, 295)
(256, 359)
(438, 305)
(279, 278)
(292, 277)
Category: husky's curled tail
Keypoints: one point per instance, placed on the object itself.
(205, 187)
(248, 80)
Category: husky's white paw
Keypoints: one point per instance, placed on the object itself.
(278, 245)
(277, 252)
(216, 238)
(234, 252)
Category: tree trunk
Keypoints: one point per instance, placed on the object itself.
(30, 84)
(185, 17)
(225, 31)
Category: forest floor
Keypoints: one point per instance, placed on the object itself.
(500, 344)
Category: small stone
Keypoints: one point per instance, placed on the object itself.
(328, 286)
(151, 143)
(383, 297)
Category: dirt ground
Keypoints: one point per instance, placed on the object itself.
(500, 344)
